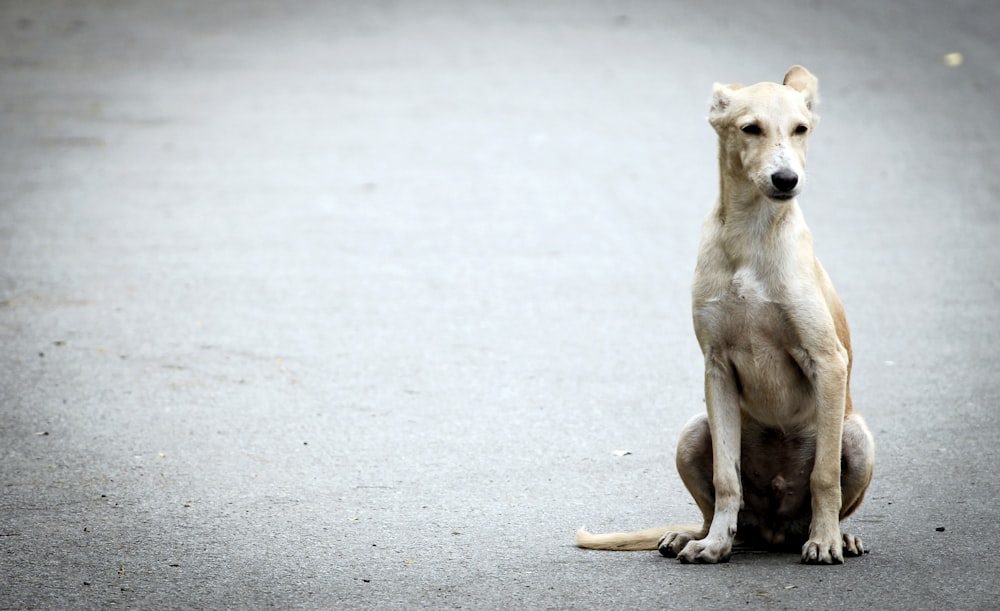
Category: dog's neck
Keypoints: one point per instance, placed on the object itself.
(752, 224)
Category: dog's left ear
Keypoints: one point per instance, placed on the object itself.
(800, 79)
(721, 100)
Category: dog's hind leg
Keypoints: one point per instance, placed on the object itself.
(694, 464)
(857, 466)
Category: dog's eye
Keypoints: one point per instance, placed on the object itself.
(801, 129)
(753, 129)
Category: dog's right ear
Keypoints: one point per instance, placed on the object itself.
(721, 101)
(803, 81)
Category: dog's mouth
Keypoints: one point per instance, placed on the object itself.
(782, 196)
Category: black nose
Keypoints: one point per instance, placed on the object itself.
(784, 180)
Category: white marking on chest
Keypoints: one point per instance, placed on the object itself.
(747, 286)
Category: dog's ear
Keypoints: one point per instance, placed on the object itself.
(721, 100)
(803, 81)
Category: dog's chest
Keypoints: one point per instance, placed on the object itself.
(743, 317)
(753, 336)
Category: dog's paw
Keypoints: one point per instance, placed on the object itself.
(706, 551)
(853, 545)
(822, 552)
(672, 543)
(814, 552)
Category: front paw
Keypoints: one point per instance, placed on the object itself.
(706, 551)
(823, 552)
(814, 552)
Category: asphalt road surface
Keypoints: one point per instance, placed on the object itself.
(351, 304)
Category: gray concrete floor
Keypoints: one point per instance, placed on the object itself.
(348, 305)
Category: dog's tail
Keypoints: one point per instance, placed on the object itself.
(631, 541)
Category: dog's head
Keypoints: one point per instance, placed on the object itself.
(763, 130)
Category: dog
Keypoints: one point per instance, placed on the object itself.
(780, 457)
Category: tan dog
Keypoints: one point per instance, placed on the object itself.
(780, 457)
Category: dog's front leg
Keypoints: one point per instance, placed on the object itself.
(722, 400)
(825, 544)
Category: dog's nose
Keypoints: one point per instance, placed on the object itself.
(784, 180)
